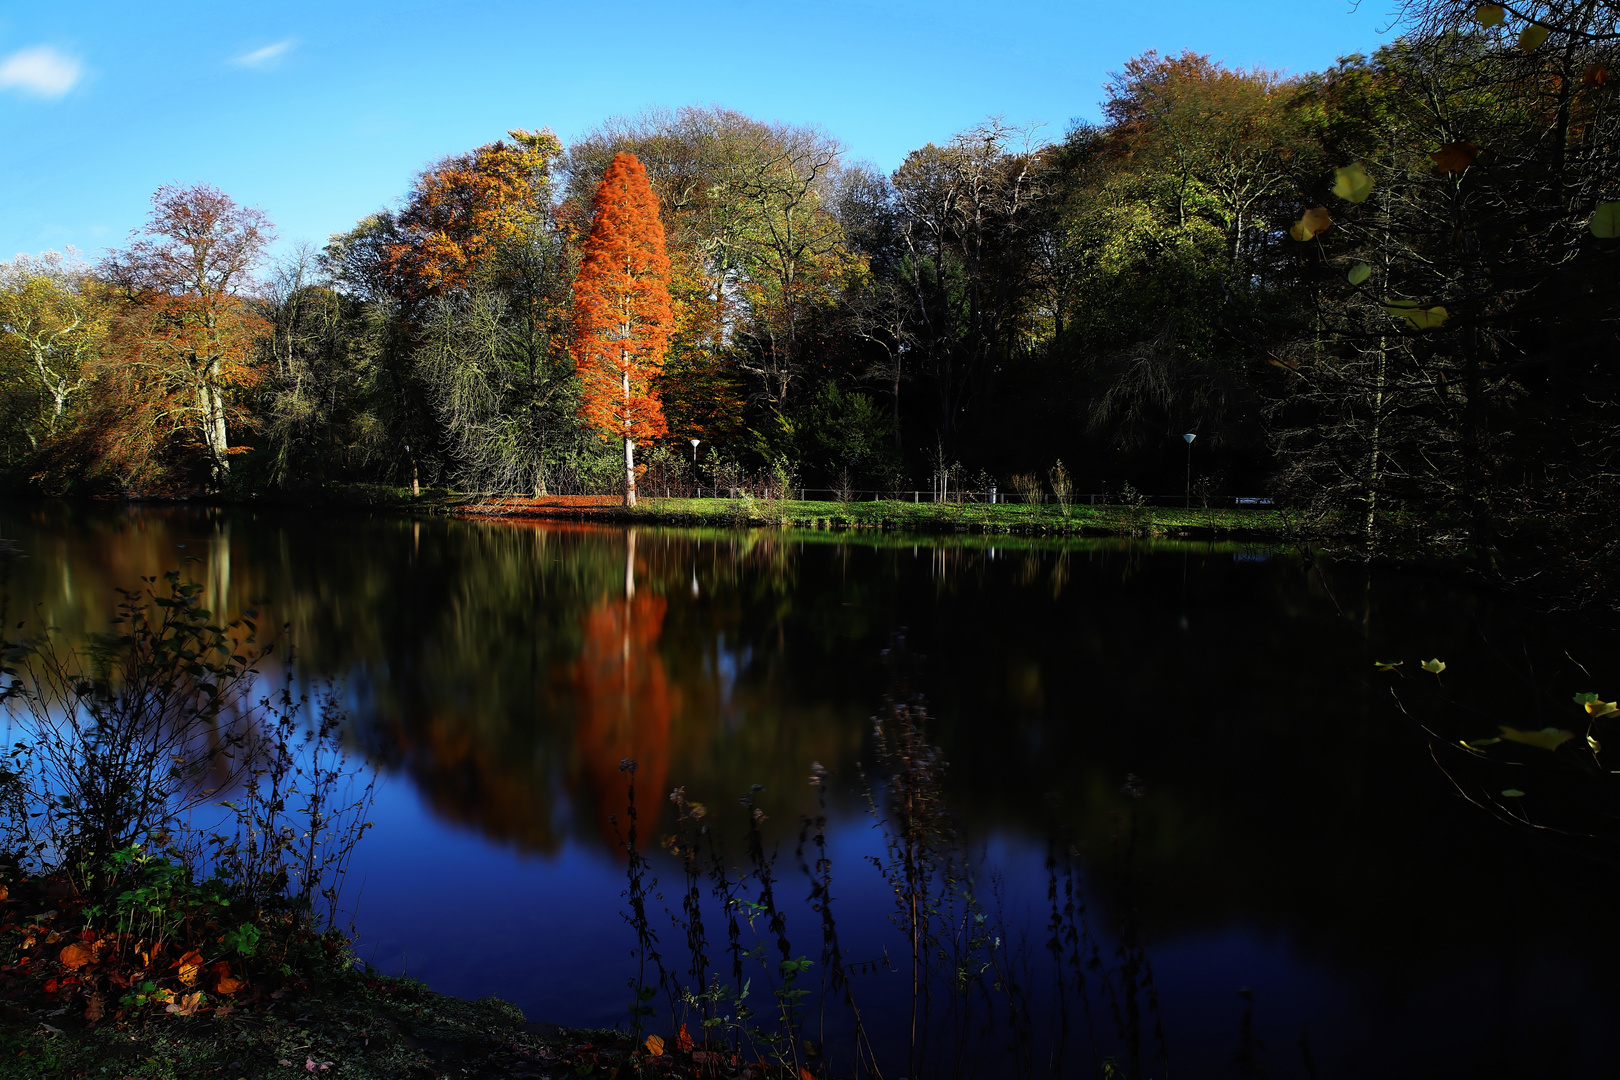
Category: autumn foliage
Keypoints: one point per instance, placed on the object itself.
(463, 211)
(622, 312)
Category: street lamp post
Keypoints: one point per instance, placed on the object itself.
(694, 443)
(1189, 437)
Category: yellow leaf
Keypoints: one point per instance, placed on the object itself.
(655, 1045)
(1532, 37)
(189, 965)
(1299, 232)
(1606, 221)
(1434, 667)
(1545, 739)
(1601, 708)
(1597, 747)
(1351, 183)
(1416, 317)
(1489, 15)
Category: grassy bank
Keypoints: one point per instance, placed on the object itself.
(888, 514)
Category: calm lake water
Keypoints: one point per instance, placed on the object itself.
(1201, 721)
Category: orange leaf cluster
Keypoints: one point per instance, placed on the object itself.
(622, 312)
(464, 209)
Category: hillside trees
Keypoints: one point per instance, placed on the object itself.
(756, 251)
(473, 275)
(622, 315)
(1464, 353)
(964, 215)
(52, 329)
(184, 332)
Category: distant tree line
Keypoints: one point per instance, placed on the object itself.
(1386, 286)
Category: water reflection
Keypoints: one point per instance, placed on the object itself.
(1294, 834)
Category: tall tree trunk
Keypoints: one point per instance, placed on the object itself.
(629, 448)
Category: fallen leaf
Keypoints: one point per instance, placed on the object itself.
(1383, 666)
(311, 1065)
(1489, 15)
(1547, 738)
(1477, 743)
(1597, 747)
(683, 1041)
(189, 965)
(1434, 667)
(1596, 75)
(1359, 273)
(1455, 157)
(76, 956)
(1317, 219)
(1351, 183)
(655, 1045)
(96, 1009)
(1601, 708)
(1513, 793)
(186, 1006)
(1532, 37)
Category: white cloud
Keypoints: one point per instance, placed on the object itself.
(267, 57)
(40, 71)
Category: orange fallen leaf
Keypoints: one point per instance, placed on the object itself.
(683, 1041)
(76, 956)
(189, 965)
(655, 1045)
(1596, 75)
(96, 1009)
(1455, 157)
(186, 1006)
(806, 1074)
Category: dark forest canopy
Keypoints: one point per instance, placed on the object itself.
(1386, 286)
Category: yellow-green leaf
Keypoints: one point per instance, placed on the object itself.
(1513, 793)
(1417, 318)
(1434, 667)
(1597, 747)
(1489, 15)
(1382, 665)
(1532, 37)
(1359, 273)
(1601, 708)
(1352, 183)
(1606, 221)
(1547, 738)
(1477, 743)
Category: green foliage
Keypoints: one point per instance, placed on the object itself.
(845, 431)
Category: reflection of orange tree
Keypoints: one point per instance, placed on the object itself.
(623, 694)
(624, 699)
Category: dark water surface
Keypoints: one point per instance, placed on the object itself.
(1291, 835)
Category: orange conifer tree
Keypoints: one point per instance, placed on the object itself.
(622, 314)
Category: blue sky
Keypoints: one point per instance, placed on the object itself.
(320, 113)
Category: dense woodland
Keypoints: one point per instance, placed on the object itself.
(1388, 286)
